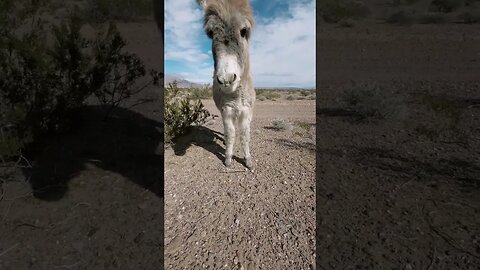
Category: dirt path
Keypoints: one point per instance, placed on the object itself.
(222, 218)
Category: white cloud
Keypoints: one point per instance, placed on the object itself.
(183, 27)
(283, 49)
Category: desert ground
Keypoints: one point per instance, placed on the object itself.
(400, 191)
(94, 197)
(232, 218)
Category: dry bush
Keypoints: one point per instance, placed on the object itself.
(370, 103)
(181, 112)
(401, 17)
(470, 17)
(280, 125)
(446, 6)
(267, 94)
(334, 11)
(433, 18)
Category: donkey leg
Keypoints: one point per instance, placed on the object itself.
(246, 118)
(229, 131)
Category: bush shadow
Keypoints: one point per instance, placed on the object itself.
(126, 143)
(205, 138)
(465, 173)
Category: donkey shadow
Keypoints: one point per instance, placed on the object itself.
(127, 143)
(205, 138)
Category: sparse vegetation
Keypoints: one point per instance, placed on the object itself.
(348, 23)
(200, 93)
(261, 98)
(368, 102)
(334, 11)
(470, 17)
(397, 3)
(181, 112)
(433, 18)
(303, 125)
(443, 116)
(301, 128)
(401, 17)
(267, 94)
(281, 125)
(446, 6)
(43, 83)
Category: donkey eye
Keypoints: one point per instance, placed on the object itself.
(243, 32)
(210, 33)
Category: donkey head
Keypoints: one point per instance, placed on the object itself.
(228, 23)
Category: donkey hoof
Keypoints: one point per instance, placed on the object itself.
(249, 163)
(228, 162)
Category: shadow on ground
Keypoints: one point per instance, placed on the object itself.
(205, 138)
(465, 173)
(127, 143)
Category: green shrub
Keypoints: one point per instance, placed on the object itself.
(334, 11)
(446, 5)
(42, 83)
(181, 112)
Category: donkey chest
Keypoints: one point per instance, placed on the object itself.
(233, 107)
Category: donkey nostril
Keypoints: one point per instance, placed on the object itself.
(218, 80)
(234, 77)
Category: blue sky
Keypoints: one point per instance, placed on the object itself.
(282, 46)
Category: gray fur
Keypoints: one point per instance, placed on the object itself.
(225, 21)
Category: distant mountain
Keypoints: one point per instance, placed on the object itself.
(181, 82)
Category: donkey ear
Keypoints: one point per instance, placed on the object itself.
(202, 3)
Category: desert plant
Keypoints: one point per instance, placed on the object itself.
(470, 17)
(334, 11)
(200, 93)
(433, 18)
(181, 112)
(443, 118)
(42, 83)
(267, 94)
(446, 5)
(116, 73)
(401, 17)
(397, 3)
(348, 23)
(369, 102)
(280, 125)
